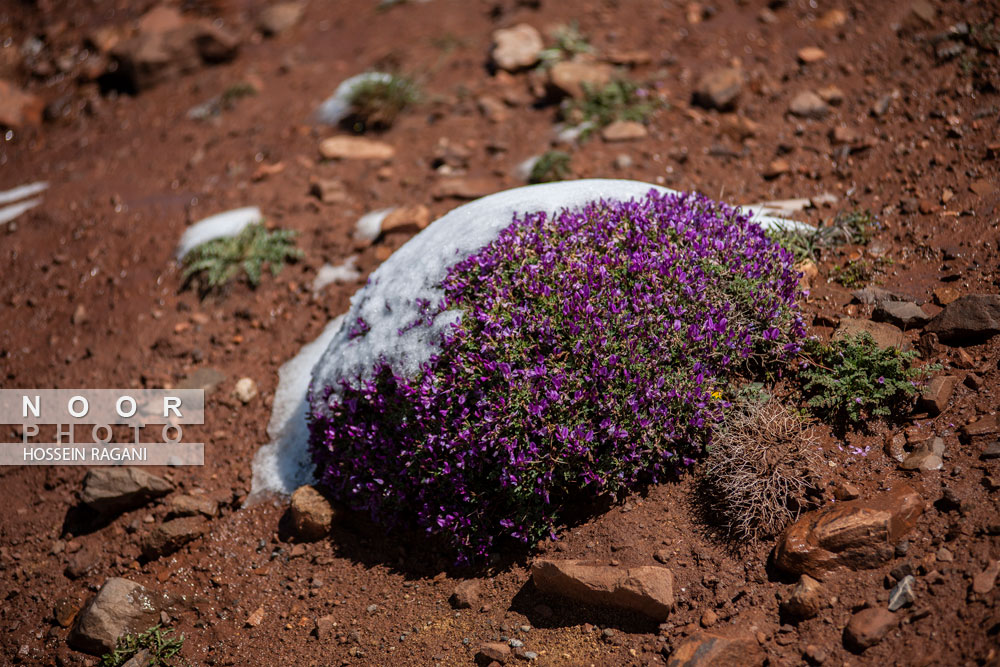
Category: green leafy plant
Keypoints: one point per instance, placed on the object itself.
(550, 166)
(860, 272)
(218, 261)
(621, 99)
(234, 93)
(569, 42)
(163, 649)
(855, 227)
(852, 379)
(377, 103)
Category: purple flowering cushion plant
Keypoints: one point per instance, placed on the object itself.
(592, 356)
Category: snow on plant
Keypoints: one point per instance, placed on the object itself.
(592, 356)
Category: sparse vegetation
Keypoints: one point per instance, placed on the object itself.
(860, 272)
(760, 467)
(234, 93)
(550, 166)
(377, 103)
(164, 649)
(856, 227)
(851, 380)
(568, 42)
(217, 262)
(622, 99)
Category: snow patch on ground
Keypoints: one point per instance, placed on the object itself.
(369, 226)
(221, 225)
(391, 300)
(346, 272)
(284, 464)
(8, 213)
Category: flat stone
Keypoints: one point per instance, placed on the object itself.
(407, 219)
(984, 582)
(905, 314)
(170, 536)
(981, 430)
(990, 451)
(647, 589)
(857, 534)
(719, 89)
(867, 628)
(278, 18)
(466, 595)
(18, 108)
(188, 505)
(885, 335)
(112, 490)
(120, 606)
(355, 148)
(806, 600)
(324, 626)
(329, 190)
(810, 54)
(492, 652)
(463, 188)
(204, 378)
(624, 130)
(968, 320)
(705, 649)
(516, 48)
(902, 593)
(945, 295)
(571, 77)
(935, 396)
(310, 514)
(808, 104)
(926, 456)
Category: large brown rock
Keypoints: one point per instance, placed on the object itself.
(310, 514)
(648, 590)
(18, 108)
(572, 77)
(710, 650)
(120, 606)
(112, 490)
(858, 534)
(968, 320)
(867, 628)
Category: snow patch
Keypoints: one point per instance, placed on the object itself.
(346, 272)
(284, 464)
(369, 226)
(221, 225)
(22, 191)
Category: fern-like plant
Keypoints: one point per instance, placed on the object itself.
(851, 380)
(218, 261)
(163, 650)
(622, 99)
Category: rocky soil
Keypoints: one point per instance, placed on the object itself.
(145, 117)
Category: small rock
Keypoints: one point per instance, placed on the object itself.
(895, 447)
(492, 652)
(245, 390)
(833, 18)
(777, 168)
(845, 491)
(278, 18)
(65, 612)
(647, 590)
(905, 314)
(984, 582)
(968, 320)
(112, 490)
(255, 618)
(120, 606)
(82, 562)
(885, 335)
(926, 456)
(810, 54)
(867, 628)
(516, 48)
(832, 95)
(990, 451)
(310, 514)
(570, 76)
(814, 655)
(808, 104)
(492, 109)
(407, 219)
(325, 626)
(944, 555)
(945, 295)
(902, 594)
(982, 187)
(466, 595)
(205, 378)
(709, 618)
(981, 430)
(355, 148)
(857, 534)
(187, 505)
(807, 599)
(935, 396)
(169, 536)
(18, 108)
(329, 191)
(720, 89)
(463, 188)
(704, 649)
(624, 130)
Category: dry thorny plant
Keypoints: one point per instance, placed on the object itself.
(763, 462)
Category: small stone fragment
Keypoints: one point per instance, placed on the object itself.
(720, 89)
(111, 490)
(407, 219)
(810, 54)
(355, 148)
(245, 390)
(867, 628)
(255, 618)
(935, 396)
(278, 18)
(705, 649)
(516, 48)
(902, 594)
(570, 77)
(647, 590)
(466, 595)
(808, 104)
(169, 536)
(492, 652)
(188, 505)
(624, 130)
(926, 456)
(983, 582)
(310, 514)
(807, 599)
(968, 320)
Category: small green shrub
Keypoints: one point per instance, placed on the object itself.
(569, 42)
(621, 99)
(856, 227)
(550, 166)
(164, 650)
(234, 93)
(376, 104)
(851, 380)
(860, 272)
(218, 261)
